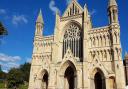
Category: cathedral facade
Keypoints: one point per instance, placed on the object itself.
(78, 56)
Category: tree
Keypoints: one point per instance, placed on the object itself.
(18, 76)
(3, 31)
(2, 75)
(14, 78)
(25, 68)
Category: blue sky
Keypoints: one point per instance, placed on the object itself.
(19, 16)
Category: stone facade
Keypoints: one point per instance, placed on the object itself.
(78, 56)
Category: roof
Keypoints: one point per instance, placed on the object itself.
(73, 8)
(40, 17)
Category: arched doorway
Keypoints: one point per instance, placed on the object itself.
(69, 78)
(68, 71)
(99, 81)
(45, 80)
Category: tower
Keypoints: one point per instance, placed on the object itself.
(39, 25)
(37, 50)
(113, 11)
(117, 62)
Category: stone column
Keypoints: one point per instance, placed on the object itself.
(79, 79)
(92, 84)
(38, 84)
(61, 82)
(107, 83)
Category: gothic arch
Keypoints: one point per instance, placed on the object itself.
(67, 24)
(95, 71)
(41, 72)
(69, 75)
(42, 79)
(98, 79)
(73, 38)
(65, 65)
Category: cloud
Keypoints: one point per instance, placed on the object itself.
(28, 60)
(93, 12)
(7, 62)
(2, 11)
(5, 71)
(18, 19)
(6, 58)
(8, 65)
(53, 7)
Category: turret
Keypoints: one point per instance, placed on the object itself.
(87, 17)
(86, 27)
(57, 24)
(86, 13)
(39, 25)
(113, 11)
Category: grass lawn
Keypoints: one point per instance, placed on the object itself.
(1, 85)
(23, 87)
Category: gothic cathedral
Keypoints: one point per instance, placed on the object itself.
(78, 56)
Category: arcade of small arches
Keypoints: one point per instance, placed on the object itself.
(69, 77)
(103, 40)
(104, 54)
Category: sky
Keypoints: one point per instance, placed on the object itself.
(19, 17)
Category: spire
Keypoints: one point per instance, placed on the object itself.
(40, 18)
(113, 11)
(86, 10)
(112, 3)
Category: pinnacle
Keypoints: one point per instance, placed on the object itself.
(112, 3)
(85, 5)
(40, 18)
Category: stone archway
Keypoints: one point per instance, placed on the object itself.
(69, 78)
(99, 81)
(42, 80)
(45, 81)
(69, 75)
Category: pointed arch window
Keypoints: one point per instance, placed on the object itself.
(73, 40)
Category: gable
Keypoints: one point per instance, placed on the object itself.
(73, 8)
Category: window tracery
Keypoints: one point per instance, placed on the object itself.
(73, 40)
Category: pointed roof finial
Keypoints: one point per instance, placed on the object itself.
(85, 5)
(40, 18)
(112, 3)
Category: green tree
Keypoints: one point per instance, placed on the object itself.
(18, 76)
(3, 31)
(3, 75)
(14, 78)
(25, 68)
